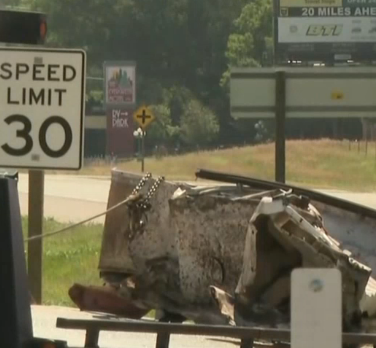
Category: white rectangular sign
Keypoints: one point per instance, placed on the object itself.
(42, 100)
(326, 30)
(316, 308)
(316, 92)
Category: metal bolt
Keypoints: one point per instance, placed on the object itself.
(316, 285)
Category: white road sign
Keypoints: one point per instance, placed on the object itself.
(316, 308)
(42, 101)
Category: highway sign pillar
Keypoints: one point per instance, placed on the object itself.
(144, 117)
(280, 120)
(42, 93)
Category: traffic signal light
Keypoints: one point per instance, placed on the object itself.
(22, 27)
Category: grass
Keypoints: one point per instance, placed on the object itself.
(68, 258)
(321, 163)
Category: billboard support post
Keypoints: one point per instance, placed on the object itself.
(280, 120)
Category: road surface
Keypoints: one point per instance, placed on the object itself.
(74, 198)
(69, 198)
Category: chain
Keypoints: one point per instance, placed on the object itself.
(137, 210)
(145, 203)
(141, 184)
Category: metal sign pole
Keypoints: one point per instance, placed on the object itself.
(143, 151)
(35, 228)
(144, 117)
(280, 119)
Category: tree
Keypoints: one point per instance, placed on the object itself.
(179, 45)
(161, 131)
(252, 38)
(199, 125)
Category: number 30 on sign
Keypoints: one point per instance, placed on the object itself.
(42, 95)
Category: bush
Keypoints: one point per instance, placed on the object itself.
(199, 125)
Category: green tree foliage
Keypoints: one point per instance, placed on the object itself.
(251, 42)
(183, 50)
(199, 125)
(161, 131)
(10, 3)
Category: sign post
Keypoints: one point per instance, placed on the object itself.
(144, 117)
(42, 98)
(280, 121)
(35, 228)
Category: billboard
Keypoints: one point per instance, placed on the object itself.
(325, 29)
(120, 83)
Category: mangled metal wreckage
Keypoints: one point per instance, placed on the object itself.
(223, 254)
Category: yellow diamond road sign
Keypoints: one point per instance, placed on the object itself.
(143, 116)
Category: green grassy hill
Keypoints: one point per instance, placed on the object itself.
(322, 164)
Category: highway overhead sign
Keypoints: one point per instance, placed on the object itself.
(143, 116)
(324, 30)
(42, 100)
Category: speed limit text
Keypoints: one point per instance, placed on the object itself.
(36, 72)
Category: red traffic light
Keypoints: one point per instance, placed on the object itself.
(22, 27)
(43, 29)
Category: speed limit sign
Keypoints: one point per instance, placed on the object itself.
(42, 100)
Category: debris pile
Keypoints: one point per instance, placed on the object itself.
(223, 253)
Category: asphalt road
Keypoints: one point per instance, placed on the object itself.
(68, 198)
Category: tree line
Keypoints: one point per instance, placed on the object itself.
(184, 50)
